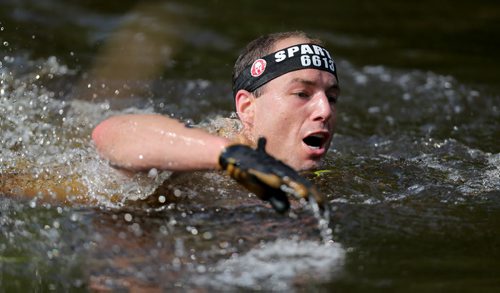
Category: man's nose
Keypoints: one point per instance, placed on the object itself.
(322, 109)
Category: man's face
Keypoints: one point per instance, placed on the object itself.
(296, 113)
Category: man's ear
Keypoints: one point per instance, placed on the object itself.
(245, 107)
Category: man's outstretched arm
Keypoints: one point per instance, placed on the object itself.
(141, 142)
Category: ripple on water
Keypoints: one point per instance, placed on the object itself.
(404, 142)
(406, 168)
(277, 266)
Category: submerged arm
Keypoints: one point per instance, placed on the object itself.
(141, 142)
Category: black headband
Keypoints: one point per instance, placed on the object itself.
(293, 58)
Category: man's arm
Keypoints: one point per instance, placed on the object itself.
(142, 142)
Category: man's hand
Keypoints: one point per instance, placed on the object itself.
(267, 177)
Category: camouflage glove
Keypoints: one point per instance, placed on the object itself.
(270, 179)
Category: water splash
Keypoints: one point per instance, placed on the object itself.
(323, 216)
(276, 266)
(45, 140)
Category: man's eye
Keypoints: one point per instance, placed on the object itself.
(302, 95)
(332, 99)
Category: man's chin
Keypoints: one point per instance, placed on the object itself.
(307, 165)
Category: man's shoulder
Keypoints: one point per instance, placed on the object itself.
(228, 127)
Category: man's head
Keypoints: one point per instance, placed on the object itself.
(292, 106)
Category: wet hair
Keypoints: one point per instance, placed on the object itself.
(262, 46)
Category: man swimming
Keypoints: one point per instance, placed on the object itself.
(285, 88)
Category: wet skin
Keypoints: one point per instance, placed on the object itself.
(296, 112)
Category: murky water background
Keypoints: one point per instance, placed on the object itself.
(413, 174)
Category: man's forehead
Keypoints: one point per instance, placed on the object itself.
(285, 43)
(310, 76)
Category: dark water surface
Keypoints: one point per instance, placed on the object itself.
(413, 175)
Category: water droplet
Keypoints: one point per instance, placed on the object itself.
(163, 230)
(128, 217)
(105, 106)
(201, 269)
(192, 230)
(176, 263)
(152, 173)
(136, 228)
(6, 44)
(78, 283)
(74, 217)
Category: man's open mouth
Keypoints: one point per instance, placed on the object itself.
(315, 141)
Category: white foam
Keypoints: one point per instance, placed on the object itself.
(276, 265)
(48, 138)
